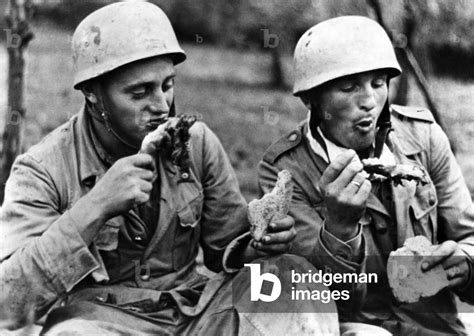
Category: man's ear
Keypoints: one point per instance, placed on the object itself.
(89, 92)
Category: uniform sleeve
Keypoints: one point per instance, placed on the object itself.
(42, 254)
(455, 208)
(313, 243)
(224, 215)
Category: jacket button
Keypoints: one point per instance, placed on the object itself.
(293, 137)
(100, 298)
(184, 176)
(432, 200)
(144, 272)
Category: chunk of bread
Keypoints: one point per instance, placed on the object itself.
(408, 282)
(272, 206)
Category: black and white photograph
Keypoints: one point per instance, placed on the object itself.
(236, 167)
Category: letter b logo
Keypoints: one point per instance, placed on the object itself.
(256, 282)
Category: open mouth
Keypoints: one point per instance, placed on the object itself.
(365, 125)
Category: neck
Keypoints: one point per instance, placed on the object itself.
(328, 136)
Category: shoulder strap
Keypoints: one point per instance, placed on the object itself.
(416, 113)
(283, 145)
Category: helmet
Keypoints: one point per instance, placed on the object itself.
(121, 33)
(339, 47)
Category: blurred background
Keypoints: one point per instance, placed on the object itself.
(238, 74)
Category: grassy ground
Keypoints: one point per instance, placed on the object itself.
(228, 89)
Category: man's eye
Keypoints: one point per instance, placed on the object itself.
(168, 84)
(379, 82)
(347, 87)
(139, 93)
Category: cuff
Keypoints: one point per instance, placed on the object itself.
(233, 252)
(66, 255)
(349, 250)
(325, 259)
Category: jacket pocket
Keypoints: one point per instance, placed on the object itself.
(423, 211)
(186, 238)
(107, 238)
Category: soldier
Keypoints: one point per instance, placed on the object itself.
(104, 240)
(345, 222)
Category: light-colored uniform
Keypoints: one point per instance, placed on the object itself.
(440, 210)
(136, 277)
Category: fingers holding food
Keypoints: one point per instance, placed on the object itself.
(406, 276)
(345, 196)
(335, 169)
(173, 137)
(453, 260)
(272, 206)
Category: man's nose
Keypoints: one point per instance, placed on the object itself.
(367, 98)
(158, 104)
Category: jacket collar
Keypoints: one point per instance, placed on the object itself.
(403, 140)
(89, 161)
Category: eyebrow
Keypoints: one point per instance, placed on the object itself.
(136, 84)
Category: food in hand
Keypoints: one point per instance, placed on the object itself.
(272, 206)
(396, 173)
(408, 282)
(172, 136)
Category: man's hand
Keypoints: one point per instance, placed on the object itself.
(453, 259)
(127, 183)
(153, 141)
(278, 238)
(345, 190)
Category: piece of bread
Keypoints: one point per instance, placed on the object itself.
(272, 206)
(408, 282)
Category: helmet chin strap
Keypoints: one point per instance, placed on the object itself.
(385, 126)
(108, 125)
(100, 109)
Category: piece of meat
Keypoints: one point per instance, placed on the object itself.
(396, 173)
(272, 206)
(174, 139)
(408, 282)
(180, 137)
